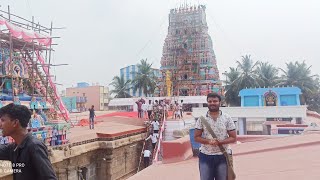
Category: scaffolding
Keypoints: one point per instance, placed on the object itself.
(188, 55)
(25, 62)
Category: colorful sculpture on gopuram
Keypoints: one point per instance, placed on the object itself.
(25, 53)
(168, 83)
(188, 54)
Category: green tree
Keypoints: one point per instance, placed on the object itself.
(299, 75)
(313, 101)
(144, 78)
(248, 77)
(244, 76)
(232, 92)
(121, 87)
(268, 74)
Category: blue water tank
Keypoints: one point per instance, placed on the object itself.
(82, 84)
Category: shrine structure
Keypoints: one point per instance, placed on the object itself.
(25, 78)
(188, 63)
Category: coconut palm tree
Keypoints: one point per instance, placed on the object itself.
(299, 75)
(144, 78)
(121, 87)
(232, 92)
(313, 101)
(268, 74)
(248, 77)
(244, 76)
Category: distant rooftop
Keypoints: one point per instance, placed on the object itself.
(261, 91)
(83, 84)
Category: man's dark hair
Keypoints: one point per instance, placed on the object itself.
(20, 112)
(213, 95)
(181, 100)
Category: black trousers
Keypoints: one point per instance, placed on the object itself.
(153, 145)
(146, 161)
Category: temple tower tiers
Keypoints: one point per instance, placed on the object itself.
(188, 57)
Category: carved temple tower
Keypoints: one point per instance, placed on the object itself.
(188, 57)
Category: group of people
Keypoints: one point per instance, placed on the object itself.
(177, 109)
(162, 106)
(147, 153)
(154, 128)
(155, 112)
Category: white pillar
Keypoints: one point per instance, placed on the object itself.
(241, 126)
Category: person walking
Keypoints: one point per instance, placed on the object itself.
(146, 157)
(28, 155)
(212, 161)
(155, 126)
(155, 109)
(144, 108)
(166, 109)
(154, 139)
(149, 110)
(177, 111)
(181, 109)
(92, 114)
(139, 104)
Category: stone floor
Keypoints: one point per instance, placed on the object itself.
(292, 157)
(105, 125)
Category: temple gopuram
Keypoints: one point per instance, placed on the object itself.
(188, 63)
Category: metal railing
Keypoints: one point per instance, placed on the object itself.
(156, 151)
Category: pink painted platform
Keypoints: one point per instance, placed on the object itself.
(107, 127)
